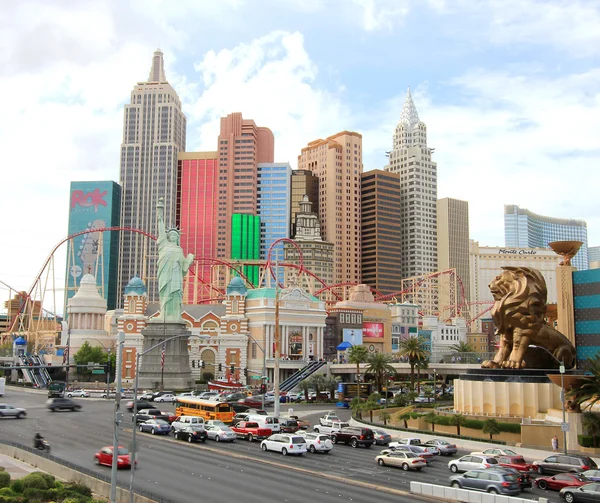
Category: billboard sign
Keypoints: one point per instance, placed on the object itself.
(373, 330)
(353, 335)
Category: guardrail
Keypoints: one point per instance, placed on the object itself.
(87, 471)
(465, 495)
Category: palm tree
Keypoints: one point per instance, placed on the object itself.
(420, 365)
(318, 382)
(331, 383)
(462, 347)
(305, 386)
(370, 406)
(357, 355)
(385, 416)
(431, 418)
(356, 406)
(458, 420)
(380, 366)
(413, 349)
(590, 421)
(405, 417)
(588, 391)
(491, 426)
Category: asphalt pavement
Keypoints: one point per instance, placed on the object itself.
(214, 471)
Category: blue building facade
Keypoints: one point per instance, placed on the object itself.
(525, 229)
(586, 292)
(93, 205)
(274, 189)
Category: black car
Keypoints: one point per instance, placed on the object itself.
(239, 407)
(561, 463)
(141, 405)
(54, 404)
(145, 415)
(190, 434)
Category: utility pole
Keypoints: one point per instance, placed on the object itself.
(117, 422)
(108, 375)
(277, 346)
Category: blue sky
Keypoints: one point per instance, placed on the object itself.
(507, 88)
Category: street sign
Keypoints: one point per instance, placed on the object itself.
(98, 371)
(564, 427)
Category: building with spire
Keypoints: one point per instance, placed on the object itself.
(154, 129)
(410, 157)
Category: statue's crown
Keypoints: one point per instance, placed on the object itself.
(173, 229)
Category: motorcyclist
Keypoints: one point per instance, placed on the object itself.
(38, 440)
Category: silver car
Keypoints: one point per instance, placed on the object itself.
(10, 411)
(489, 481)
(445, 448)
(472, 462)
(220, 433)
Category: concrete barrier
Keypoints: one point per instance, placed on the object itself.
(465, 495)
(98, 487)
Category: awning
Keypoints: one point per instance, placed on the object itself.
(343, 346)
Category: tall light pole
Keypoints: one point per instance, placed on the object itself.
(135, 400)
(561, 369)
(117, 422)
(277, 346)
(264, 368)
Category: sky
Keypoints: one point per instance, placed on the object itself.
(509, 90)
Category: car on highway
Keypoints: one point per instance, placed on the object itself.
(445, 447)
(489, 481)
(288, 425)
(250, 431)
(239, 407)
(593, 475)
(285, 444)
(415, 449)
(251, 401)
(424, 399)
(12, 411)
(78, 393)
(557, 482)
(208, 395)
(516, 462)
(317, 442)
(156, 394)
(187, 394)
(472, 462)
(141, 405)
(145, 415)
(589, 493)
(405, 460)
(167, 397)
(329, 418)
(155, 426)
(146, 395)
(559, 463)
(381, 437)
(191, 434)
(417, 442)
(220, 433)
(105, 456)
(187, 421)
(231, 397)
(302, 423)
(496, 451)
(55, 404)
(354, 436)
(524, 478)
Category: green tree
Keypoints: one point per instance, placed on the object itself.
(319, 383)
(331, 384)
(432, 419)
(422, 364)
(370, 406)
(458, 420)
(357, 355)
(380, 367)
(588, 390)
(412, 348)
(305, 387)
(385, 416)
(87, 354)
(491, 426)
(590, 421)
(405, 416)
(401, 400)
(462, 347)
(357, 406)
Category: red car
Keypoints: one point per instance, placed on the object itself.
(251, 402)
(557, 482)
(171, 416)
(516, 462)
(105, 456)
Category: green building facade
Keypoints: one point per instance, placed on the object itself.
(245, 242)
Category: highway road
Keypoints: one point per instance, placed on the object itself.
(217, 471)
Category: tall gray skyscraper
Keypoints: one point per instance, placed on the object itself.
(153, 134)
(411, 158)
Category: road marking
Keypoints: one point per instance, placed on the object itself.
(336, 478)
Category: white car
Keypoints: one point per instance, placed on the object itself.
(165, 398)
(285, 444)
(472, 462)
(317, 442)
(220, 433)
(416, 441)
(80, 393)
(496, 451)
(10, 411)
(189, 394)
(405, 460)
(424, 399)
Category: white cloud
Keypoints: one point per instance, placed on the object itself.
(384, 14)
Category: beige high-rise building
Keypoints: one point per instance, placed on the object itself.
(453, 240)
(304, 183)
(337, 162)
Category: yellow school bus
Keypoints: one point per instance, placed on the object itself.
(208, 409)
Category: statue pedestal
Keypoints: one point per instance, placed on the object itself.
(176, 374)
(523, 393)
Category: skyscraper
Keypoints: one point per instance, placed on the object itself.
(380, 195)
(453, 240)
(523, 228)
(337, 162)
(304, 183)
(273, 207)
(242, 145)
(153, 134)
(197, 215)
(411, 158)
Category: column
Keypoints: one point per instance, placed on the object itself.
(565, 308)
(305, 343)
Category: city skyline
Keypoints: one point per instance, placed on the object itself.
(493, 115)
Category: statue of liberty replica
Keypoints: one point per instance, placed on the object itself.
(167, 366)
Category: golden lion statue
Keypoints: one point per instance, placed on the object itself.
(520, 305)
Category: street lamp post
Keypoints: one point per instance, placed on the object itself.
(135, 410)
(561, 369)
(277, 346)
(264, 369)
(117, 422)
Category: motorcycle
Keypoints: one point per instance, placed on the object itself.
(42, 445)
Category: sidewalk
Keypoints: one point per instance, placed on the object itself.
(16, 468)
(470, 445)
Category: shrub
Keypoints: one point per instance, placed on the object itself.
(17, 486)
(34, 480)
(79, 489)
(4, 479)
(510, 427)
(7, 491)
(34, 494)
(587, 441)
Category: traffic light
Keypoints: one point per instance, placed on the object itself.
(232, 368)
(203, 364)
(220, 367)
(246, 373)
(193, 364)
